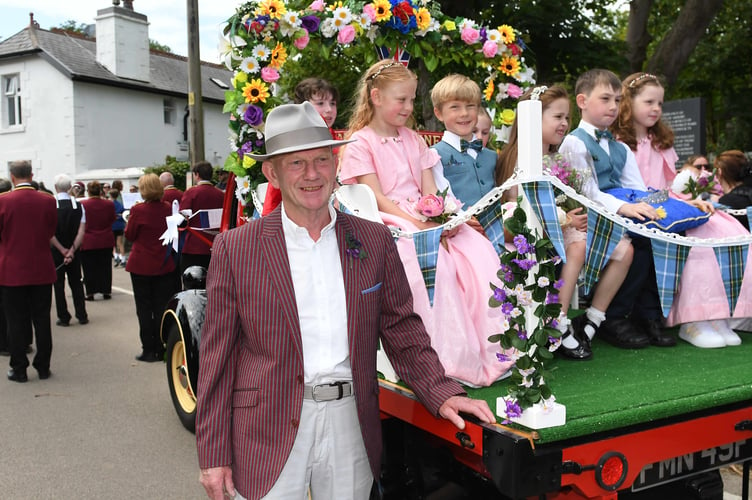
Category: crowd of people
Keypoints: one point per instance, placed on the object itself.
(82, 235)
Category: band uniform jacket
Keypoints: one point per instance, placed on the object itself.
(199, 197)
(100, 214)
(146, 224)
(28, 220)
(172, 193)
(250, 389)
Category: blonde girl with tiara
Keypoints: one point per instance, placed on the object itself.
(700, 305)
(576, 334)
(397, 165)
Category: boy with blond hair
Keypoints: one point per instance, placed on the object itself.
(467, 165)
(633, 320)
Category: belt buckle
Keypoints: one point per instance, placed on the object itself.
(339, 385)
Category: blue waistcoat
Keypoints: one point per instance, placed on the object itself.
(470, 179)
(608, 169)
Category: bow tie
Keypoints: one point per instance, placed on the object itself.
(600, 134)
(477, 145)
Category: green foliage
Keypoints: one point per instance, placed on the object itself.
(155, 45)
(73, 26)
(178, 169)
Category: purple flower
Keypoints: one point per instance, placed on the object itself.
(522, 334)
(552, 298)
(554, 324)
(253, 115)
(525, 264)
(507, 308)
(513, 409)
(702, 181)
(310, 23)
(520, 242)
(500, 295)
(483, 35)
(245, 149)
(558, 284)
(502, 357)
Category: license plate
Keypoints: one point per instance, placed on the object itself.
(690, 464)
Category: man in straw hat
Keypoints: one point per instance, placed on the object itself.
(297, 300)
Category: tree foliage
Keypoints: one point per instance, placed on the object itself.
(81, 28)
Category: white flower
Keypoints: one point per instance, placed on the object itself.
(504, 324)
(450, 205)
(328, 28)
(364, 21)
(561, 215)
(515, 312)
(433, 26)
(526, 382)
(494, 36)
(555, 343)
(681, 180)
(242, 188)
(341, 17)
(525, 298)
(519, 288)
(531, 351)
(526, 76)
(465, 24)
(548, 403)
(240, 111)
(249, 65)
(261, 52)
(372, 33)
(543, 281)
(290, 23)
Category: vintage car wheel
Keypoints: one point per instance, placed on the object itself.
(183, 397)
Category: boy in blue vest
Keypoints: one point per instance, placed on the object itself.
(468, 166)
(633, 320)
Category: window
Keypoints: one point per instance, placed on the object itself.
(12, 100)
(169, 111)
(219, 83)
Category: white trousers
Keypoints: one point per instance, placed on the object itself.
(328, 458)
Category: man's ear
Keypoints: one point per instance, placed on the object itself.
(580, 100)
(271, 174)
(437, 114)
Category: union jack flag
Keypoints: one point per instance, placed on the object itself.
(400, 54)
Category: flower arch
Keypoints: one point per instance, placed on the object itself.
(263, 34)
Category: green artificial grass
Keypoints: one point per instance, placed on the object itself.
(620, 387)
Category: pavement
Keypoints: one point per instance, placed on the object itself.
(103, 426)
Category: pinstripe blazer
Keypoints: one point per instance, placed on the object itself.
(250, 389)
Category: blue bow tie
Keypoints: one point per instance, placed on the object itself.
(477, 145)
(600, 134)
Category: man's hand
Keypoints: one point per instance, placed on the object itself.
(217, 482)
(453, 406)
(639, 211)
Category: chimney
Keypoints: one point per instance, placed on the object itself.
(123, 42)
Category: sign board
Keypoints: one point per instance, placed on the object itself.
(686, 117)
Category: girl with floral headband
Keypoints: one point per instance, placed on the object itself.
(576, 334)
(397, 165)
(700, 305)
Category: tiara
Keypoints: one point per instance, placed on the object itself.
(537, 92)
(382, 68)
(640, 78)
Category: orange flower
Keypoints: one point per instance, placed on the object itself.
(279, 56)
(255, 91)
(510, 65)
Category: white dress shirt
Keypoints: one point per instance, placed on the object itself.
(319, 286)
(630, 176)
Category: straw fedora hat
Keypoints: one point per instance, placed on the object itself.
(295, 127)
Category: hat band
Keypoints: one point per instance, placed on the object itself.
(295, 138)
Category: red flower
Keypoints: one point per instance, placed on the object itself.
(515, 49)
(257, 27)
(403, 11)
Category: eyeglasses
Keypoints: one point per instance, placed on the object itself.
(703, 166)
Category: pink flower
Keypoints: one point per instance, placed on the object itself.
(317, 6)
(490, 49)
(370, 12)
(346, 34)
(470, 35)
(430, 205)
(302, 41)
(269, 74)
(513, 91)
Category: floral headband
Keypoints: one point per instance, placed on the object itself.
(382, 68)
(640, 78)
(537, 92)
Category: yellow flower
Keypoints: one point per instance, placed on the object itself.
(255, 91)
(272, 8)
(507, 117)
(510, 65)
(248, 162)
(449, 25)
(240, 78)
(383, 10)
(661, 212)
(279, 56)
(423, 18)
(507, 34)
(489, 90)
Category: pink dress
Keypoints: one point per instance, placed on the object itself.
(460, 321)
(701, 295)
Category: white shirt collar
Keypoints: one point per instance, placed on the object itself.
(292, 230)
(454, 140)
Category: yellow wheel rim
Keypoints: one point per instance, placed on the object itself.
(180, 382)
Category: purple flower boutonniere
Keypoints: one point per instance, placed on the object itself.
(354, 248)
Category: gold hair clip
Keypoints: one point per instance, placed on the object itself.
(382, 68)
(640, 78)
(537, 92)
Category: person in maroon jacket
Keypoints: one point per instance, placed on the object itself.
(297, 302)
(151, 264)
(96, 251)
(27, 271)
(202, 196)
(170, 191)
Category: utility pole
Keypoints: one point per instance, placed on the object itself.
(195, 104)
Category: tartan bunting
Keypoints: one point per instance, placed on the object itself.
(493, 224)
(732, 261)
(669, 260)
(542, 200)
(749, 214)
(602, 237)
(427, 249)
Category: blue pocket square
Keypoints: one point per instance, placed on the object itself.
(372, 289)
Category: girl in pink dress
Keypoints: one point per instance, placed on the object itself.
(397, 165)
(700, 304)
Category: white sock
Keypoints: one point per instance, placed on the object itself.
(569, 342)
(597, 317)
